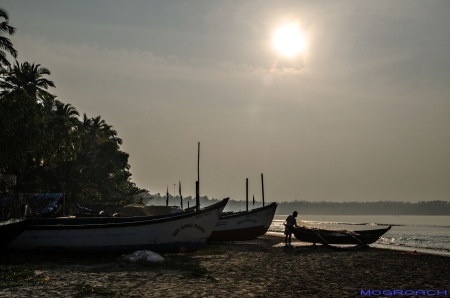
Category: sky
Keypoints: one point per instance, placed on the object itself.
(360, 113)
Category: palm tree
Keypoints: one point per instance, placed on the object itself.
(27, 77)
(67, 137)
(68, 112)
(5, 43)
(101, 168)
(96, 131)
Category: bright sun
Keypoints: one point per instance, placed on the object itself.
(288, 40)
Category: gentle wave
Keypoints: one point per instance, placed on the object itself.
(414, 243)
(315, 222)
(433, 237)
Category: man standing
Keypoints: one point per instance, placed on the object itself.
(290, 223)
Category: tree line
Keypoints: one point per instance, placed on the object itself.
(365, 208)
(44, 143)
(317, 208)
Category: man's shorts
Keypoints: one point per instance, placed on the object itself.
(287, 231)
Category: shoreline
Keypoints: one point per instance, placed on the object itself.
(256, 268)
(379, 246)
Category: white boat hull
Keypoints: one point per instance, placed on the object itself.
(177, 233)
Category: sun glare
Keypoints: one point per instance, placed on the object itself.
(288, 40)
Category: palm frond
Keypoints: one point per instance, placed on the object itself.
(5, 28)
(4, 14)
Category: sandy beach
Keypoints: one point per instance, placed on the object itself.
(258, 268)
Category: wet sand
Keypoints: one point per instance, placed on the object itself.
(258, 268)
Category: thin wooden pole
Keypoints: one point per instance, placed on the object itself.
(197, 184)
(181, 197)
(262, 184)
(246, 196)
(167, 196)
(253, 199)
(197, 196)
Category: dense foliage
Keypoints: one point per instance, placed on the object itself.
(5, 43)
(46, 145)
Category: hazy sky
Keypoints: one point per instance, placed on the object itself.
(361, 114)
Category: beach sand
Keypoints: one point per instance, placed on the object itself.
(257, 268)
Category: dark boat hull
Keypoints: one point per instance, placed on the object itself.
(11, 230)
(367, 237)
(245, 225)
(238, 234)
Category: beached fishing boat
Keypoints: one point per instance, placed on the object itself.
(244, 225)
(327, 237)
(180, 232)
(11, 229)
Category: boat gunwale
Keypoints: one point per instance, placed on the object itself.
(364, 236)
(240, 213)
(133, 220)
(361, 232)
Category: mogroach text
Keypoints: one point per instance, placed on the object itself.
(403, 292)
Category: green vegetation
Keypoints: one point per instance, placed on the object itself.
(18, 275)
(46, 144)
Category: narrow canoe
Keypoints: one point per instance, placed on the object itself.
(313, 235)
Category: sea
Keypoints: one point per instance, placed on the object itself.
(427, 234)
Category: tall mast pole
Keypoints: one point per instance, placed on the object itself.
(181, 197)
(262, 184)
(167, 196)
(198, 179)
(246, 195)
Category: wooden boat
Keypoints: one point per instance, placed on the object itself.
(244, 225)
(327, 237)
(11, 229)
(180, 232)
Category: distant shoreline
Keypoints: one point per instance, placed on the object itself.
(323, 208)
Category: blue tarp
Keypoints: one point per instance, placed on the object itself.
(48, 202)
(40, 205)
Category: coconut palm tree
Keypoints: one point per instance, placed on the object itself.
(97, 131)
(27, 77)
(5, 43)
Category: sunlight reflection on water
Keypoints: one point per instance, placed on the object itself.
(415, 232)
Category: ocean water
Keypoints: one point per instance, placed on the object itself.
(408, 232)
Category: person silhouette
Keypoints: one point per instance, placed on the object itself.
(290, 223)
